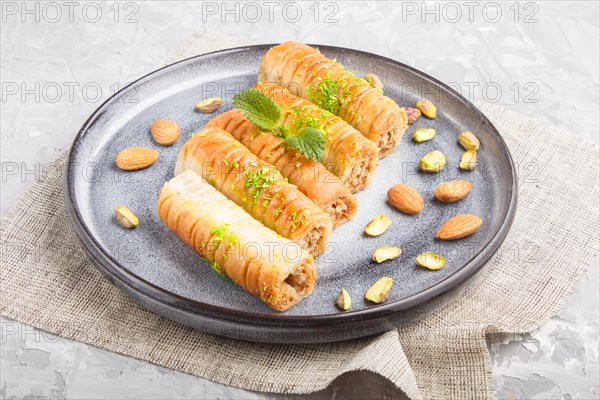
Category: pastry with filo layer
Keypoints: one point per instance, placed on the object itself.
(255, 186)
(318, 184)
(309, 74)
(348, 154)
(270, 267)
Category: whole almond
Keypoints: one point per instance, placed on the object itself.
(459, 227)
(165, 132)
(452, 191)
(135, 158)
(405, 199)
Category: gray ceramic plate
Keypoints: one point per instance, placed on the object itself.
(152, 265)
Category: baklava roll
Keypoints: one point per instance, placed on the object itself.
(270, 267)
(256, 186)
(318, 184)
(309, 74)
(348, 154)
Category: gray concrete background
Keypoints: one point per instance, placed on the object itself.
(60, 60)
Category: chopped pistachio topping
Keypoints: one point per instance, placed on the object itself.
(330, 94)
(258, 181)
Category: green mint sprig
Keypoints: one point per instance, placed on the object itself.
(258, 108)
(309, 141)
(263, 112)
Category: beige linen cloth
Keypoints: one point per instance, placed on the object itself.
(48, 282)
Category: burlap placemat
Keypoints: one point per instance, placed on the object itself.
(46, 281)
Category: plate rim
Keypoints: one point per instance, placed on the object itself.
(111, 266)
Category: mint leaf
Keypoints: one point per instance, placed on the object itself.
(309, 141)
(263, 112)
(258, 108)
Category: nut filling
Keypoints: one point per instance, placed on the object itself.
(314, 240)
(340, 209)
(389, 140)
(361, 174)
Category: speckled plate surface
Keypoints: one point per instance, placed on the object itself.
(153, 266)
